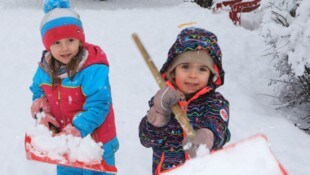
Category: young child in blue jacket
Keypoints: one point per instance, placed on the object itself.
(192, 71)
(71, 84)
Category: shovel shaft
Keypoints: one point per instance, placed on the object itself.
(179, 114)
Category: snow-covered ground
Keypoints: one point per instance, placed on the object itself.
(110, 25)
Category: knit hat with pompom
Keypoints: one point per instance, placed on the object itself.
(60, 22)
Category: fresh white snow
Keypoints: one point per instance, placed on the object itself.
(110, 25)
(250, 156)
(62, 147)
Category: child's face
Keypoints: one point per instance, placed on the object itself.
(191, 77)
(65, 49)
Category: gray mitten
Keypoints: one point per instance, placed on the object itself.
(160, 113)
(203, 136)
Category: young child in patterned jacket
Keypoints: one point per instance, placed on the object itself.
(192, 71)
(71, 84)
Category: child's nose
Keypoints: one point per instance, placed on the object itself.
(64, 46)
(192, 73)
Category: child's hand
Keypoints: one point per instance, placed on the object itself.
(40, 105)
(203, 136)
(165, 98)
(159, 114)
(47, 120)
(70, 130)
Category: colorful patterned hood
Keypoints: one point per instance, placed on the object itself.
(191, 39)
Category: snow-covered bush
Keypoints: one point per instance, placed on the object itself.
(286, 28)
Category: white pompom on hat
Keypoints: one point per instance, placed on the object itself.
(60, 22)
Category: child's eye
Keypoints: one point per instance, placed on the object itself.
(56, 42)
(203, 69)
(71, 39)
(184, 66)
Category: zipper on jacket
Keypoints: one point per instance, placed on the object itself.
(60, 108)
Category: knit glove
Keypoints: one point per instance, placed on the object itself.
(70, 130)
(203, 136)
(40, 105)
(160, 113)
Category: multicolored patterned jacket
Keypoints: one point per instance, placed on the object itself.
(85, 101)
(205, 109)
(209, 110)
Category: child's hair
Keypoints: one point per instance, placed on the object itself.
(60, 22)
(71, 68)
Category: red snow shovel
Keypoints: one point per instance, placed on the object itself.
(230, 154)
(34, 154)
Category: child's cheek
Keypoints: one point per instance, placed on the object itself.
(179, 84)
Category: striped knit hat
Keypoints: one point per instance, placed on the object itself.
(196, 39)
(60, 22)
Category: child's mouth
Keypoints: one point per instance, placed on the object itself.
(191, 85)
(66, 56)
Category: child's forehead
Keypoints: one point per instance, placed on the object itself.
(198, 64)
(66, 39)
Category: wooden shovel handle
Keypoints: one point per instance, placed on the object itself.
(179, 114)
